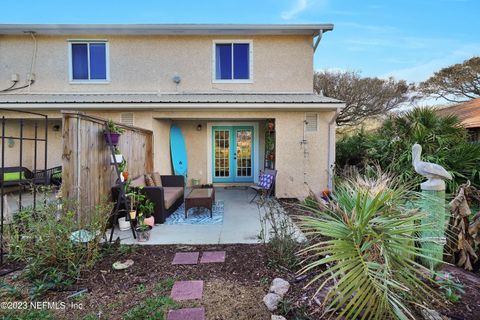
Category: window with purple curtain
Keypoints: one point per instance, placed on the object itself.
(89, 61)
(232, 61)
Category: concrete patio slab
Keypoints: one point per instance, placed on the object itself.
(213, 257)
(187, 314)
(187, 290)
(241, 224)
(186, 258)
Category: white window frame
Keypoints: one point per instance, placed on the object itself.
(107, 62)
(250, 62)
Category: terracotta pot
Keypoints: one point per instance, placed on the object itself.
(150, 221)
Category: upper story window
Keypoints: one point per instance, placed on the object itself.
(89, 61)
(232, 61)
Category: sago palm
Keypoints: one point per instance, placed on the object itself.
(368, 252)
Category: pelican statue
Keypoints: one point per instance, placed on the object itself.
(433, 172)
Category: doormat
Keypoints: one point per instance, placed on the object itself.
(197, 215)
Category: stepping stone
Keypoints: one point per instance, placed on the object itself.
(186, 258)
(187, 290)
(187, 314)
(213, 257)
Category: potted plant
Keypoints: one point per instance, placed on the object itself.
(270, 125)
(122, 167)
(145, 220)
(271, 155)
(117, 157)
(146, 208)
(113, 131)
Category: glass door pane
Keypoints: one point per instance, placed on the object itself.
(244, 152)
(222, 153)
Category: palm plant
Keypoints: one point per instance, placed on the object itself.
(367, 244)
(443, 139)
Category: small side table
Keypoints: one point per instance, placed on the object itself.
(201, 197)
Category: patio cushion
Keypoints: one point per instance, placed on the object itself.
(265, 180)
(169, 199)
(13, 176)
(138, 182)
(156, 179)
(176, 191)
(149, 181)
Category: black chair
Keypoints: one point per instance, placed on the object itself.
(260, 190)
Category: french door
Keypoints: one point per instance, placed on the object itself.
(233, 158)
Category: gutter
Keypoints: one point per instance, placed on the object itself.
(331, 149)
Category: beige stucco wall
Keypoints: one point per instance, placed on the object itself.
(148, 63)
(299, 170)
(12, 152)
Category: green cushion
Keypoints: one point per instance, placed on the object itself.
(13, 176)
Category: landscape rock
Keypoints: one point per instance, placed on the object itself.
(278, 317)
(271, 300)
(279, 286)
(429, 314)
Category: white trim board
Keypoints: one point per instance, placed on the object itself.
(256, 146)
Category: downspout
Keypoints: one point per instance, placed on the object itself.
(319, 38)
(331, 148)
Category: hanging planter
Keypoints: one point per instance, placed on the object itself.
(113, 131)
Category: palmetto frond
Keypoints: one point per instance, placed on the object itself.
(369, 251)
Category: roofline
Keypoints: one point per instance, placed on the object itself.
(199, 106)
(165, 29)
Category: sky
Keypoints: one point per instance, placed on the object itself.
(406, 39)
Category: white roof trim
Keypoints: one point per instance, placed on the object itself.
(178, 106)
(165, 29)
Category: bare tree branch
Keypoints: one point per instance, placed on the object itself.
(363, 97)
(457, 83)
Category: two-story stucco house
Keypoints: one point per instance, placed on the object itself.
(221, 84)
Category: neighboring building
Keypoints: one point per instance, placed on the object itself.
(469, 114)
(220, 84)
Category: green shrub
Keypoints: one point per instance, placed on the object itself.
(367, 251)
(41, 240)
(443, 139)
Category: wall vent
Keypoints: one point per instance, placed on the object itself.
(127, 118)
(312, 122)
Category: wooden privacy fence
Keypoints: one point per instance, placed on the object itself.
(87, 173)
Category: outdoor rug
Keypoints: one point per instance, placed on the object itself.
(197, 215)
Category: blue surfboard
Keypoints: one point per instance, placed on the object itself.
(178, 152)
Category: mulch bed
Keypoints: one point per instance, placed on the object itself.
(233, 290)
